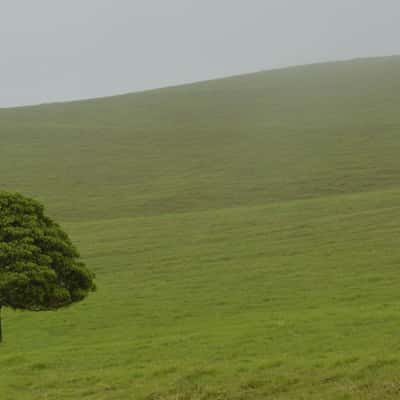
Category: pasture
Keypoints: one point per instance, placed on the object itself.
(245, 234)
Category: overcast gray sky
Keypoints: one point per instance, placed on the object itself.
(52, 50)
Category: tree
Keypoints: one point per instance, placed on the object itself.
(40, 269)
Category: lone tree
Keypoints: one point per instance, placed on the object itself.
(40, 269)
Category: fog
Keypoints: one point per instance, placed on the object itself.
(53, 50)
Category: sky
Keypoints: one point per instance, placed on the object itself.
(57, 50)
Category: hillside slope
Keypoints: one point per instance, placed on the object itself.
(296, 133)
(245, 233)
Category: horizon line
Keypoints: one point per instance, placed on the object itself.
(189, 83)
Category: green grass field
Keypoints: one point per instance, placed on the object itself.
(245, 234)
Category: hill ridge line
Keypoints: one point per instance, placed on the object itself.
(205, 81)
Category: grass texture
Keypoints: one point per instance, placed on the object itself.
(245, 234)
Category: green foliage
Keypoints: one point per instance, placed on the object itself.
(245, 234)
(39, 266)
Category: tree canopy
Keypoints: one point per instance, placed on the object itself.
(40, 269)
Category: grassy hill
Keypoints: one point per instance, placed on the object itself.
(245, 233)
